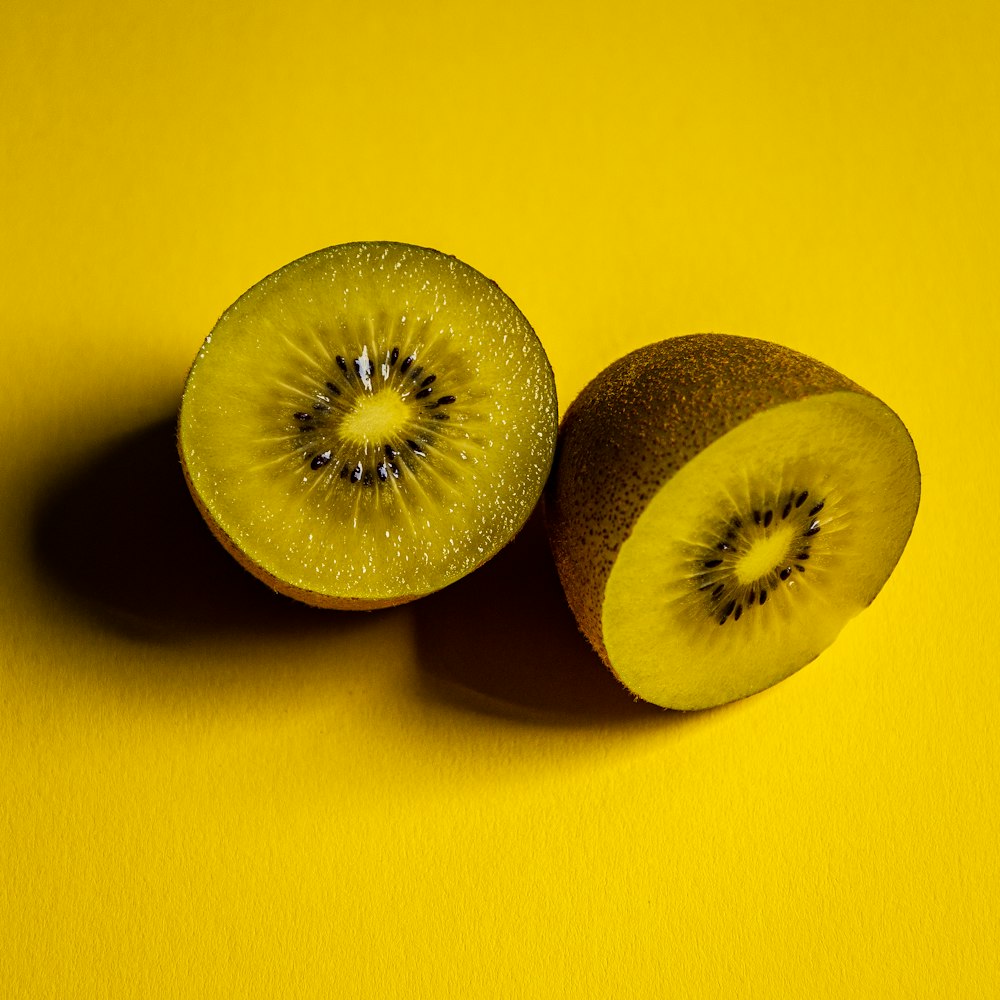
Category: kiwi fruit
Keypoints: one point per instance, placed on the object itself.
(719, 508)
(368, 424)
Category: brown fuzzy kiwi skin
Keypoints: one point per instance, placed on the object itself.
(636, 424)
(310, 597)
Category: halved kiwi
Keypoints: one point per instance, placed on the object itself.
(368, 424)
(719, 508)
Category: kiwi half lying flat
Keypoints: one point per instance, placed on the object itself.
(368, 424)
(719, 508)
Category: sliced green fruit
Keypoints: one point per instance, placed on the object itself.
(720, 507)
(368, 424)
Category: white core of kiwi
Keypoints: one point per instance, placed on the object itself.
(695, 637)
(369, 423)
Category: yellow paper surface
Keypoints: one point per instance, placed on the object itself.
(208, 791)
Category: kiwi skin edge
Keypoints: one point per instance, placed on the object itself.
(636, 424)
(279, 586)
(509, 319)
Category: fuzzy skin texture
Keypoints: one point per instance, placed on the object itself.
(636, 424)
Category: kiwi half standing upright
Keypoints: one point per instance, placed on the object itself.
(719, 507)
(368, 424)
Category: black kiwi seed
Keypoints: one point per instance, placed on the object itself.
(331, 397)
(713, 569)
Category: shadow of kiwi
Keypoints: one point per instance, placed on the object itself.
(121, 541)
(503, 641)
(118, 540)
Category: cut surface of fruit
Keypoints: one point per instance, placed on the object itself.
(368, 424)
(752, 501)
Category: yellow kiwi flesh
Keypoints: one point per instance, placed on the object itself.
(719, 509)
(368, 424)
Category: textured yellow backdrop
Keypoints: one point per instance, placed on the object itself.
(208, 792)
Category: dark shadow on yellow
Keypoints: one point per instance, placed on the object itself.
(503, 641)
(122, 541)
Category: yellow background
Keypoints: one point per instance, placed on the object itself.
(210, 792)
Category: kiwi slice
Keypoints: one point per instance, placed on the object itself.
(368, 424)
(719, 508)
